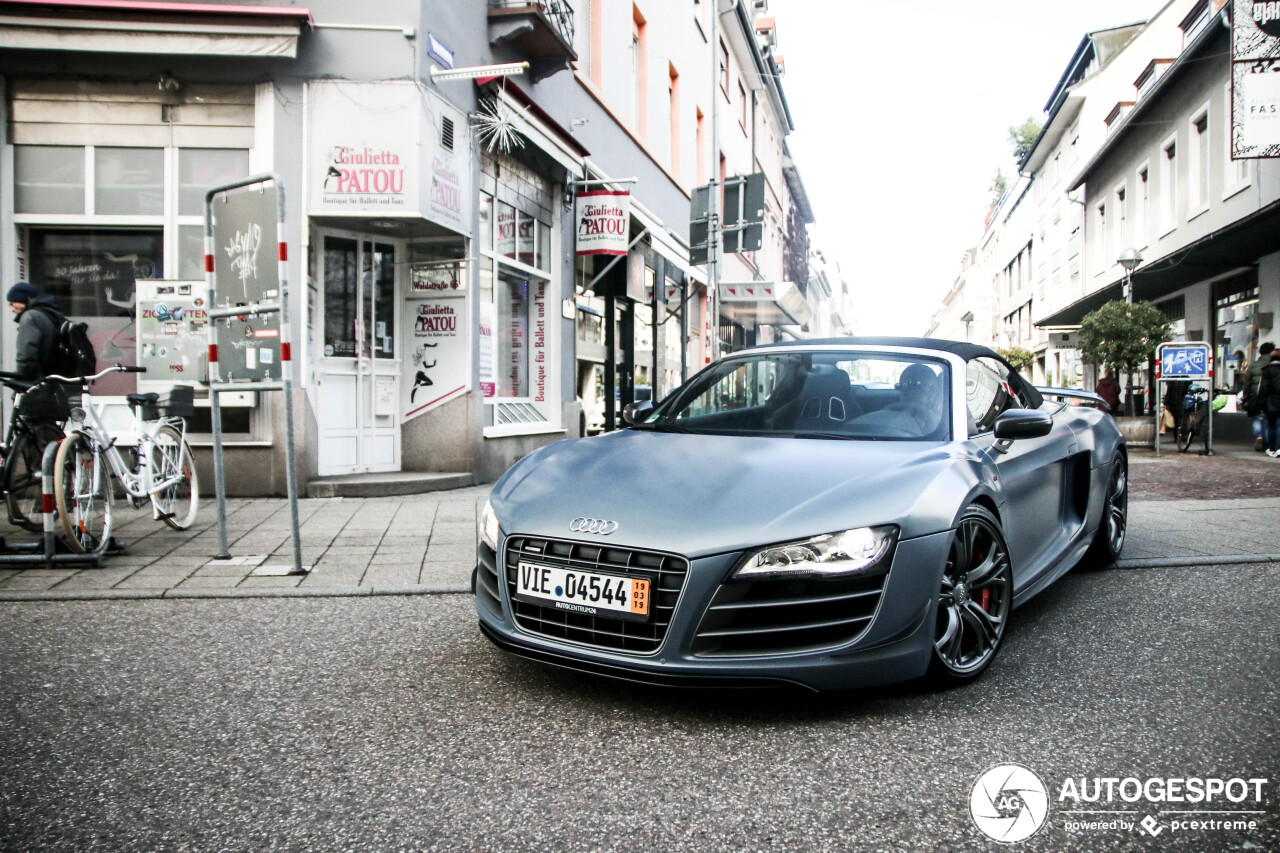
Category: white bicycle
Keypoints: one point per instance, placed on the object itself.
(162, 471)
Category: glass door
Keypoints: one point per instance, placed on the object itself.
(359, 370)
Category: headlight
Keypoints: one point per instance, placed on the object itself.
(489, 527)
(831, 556)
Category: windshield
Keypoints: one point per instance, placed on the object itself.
(814, 395)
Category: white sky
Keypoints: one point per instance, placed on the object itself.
(902, 111)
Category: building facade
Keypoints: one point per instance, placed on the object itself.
(444, 321)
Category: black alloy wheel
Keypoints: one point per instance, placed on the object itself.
(975, 600)
(1108, 542)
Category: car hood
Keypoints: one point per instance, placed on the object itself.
(703, 494)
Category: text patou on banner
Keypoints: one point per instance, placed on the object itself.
(603, 218)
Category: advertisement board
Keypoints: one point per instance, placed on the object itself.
(172, 333)
(246, 271)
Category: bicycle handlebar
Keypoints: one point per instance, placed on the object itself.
(115, 368)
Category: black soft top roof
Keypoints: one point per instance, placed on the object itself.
(963, 349)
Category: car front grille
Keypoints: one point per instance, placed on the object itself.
(666, 573)
(777, 616)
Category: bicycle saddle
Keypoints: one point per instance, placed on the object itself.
(143, 399)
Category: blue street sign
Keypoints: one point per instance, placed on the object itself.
(1185, 361)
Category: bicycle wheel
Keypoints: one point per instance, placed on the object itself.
(171, 460)
(1188, 433)
(23, 482)
(84, 496)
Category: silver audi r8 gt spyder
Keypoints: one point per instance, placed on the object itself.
(827, 513)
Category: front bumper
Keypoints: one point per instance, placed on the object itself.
(895, 646)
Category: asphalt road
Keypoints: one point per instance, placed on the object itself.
(390, 724)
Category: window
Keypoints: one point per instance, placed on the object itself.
(128, 181)
(124, 214)
(1120, 217)
(742, 106)
(1101, 240)
(1236, 177)
(1198, 165)
(673, 104)
(724, 68)
(48, 179)
(1169, 185)
(1142, 207)
(515, 302)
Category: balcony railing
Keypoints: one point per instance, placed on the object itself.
(542, 28)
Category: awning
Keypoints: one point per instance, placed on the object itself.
(763, 303)
(132, 26)
(1238, 245)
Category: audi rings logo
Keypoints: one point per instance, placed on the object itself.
(593, 525)
(1009, 803)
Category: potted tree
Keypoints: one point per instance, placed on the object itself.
(1123, 336)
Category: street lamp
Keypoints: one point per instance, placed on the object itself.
(1129, 259)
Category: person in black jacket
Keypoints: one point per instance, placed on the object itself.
(1269, 398)
(37, 317)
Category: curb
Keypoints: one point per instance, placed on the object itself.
(267, 592)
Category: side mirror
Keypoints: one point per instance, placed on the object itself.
(1022, 423)
(634, 413)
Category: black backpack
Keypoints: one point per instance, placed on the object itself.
(72, 352)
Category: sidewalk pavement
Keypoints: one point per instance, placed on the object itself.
(425, 544)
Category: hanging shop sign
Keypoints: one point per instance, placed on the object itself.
(1255, 79)
(387, 149)
(438, 370)
(603, 218)
(437, 278)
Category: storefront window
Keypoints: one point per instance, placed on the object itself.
(92, 272)
(48, 179)
(340, 297)
(486, 223)
(382, 277)
(191, 252)
(518, 310)
(525, 240)
(513, 336)
(543, 260)
(128, 181)
(505, 242)
(202, 168)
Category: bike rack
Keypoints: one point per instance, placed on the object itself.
(46, 550)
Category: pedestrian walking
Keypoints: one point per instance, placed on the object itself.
(38, 317)
(1249, 395)
(1109, 390)
(1269, 398)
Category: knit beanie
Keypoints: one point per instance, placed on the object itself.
(23, 292)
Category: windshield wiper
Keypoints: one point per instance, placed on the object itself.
(837, 436)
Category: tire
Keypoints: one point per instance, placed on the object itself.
(23, 477)
(170, 457)
(1113, 527)
(84, 495)
(974, 601)
(1188, 435)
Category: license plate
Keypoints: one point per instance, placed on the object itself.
(577, 591)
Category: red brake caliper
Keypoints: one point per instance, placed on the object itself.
(984, 598)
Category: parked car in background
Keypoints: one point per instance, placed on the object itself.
(831, 514)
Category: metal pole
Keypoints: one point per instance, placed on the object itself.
(286, 371)
(215, 410)
(713, 201)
